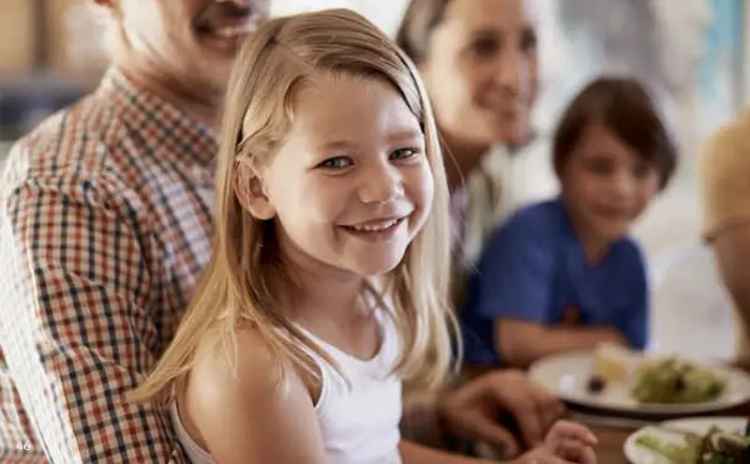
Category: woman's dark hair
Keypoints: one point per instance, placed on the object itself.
(420, 18)
(624, 107)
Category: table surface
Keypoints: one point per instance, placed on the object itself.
(612, 437)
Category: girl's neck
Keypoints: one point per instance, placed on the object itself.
(321, 293)
(462, 158)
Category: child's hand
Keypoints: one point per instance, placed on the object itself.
(565, 443)
(572, 442)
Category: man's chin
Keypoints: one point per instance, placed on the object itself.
(214, 82)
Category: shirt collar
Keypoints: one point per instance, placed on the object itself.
(158, 115)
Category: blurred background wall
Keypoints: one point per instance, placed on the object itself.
(694, 55)
(51, 51)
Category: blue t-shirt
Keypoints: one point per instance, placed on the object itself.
(534, 269)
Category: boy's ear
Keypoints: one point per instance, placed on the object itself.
(249, 189)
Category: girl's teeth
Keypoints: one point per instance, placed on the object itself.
(375, 227)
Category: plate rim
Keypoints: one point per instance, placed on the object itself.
(661, 409)
(630, 445)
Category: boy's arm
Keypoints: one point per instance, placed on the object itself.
(520, 343)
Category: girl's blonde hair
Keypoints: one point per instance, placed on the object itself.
(236, 286)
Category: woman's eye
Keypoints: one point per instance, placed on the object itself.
(339, 162)
(404, 153)
(485, 47)
(528, 40)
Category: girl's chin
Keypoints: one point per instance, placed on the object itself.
(376, 269)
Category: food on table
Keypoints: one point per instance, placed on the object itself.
(596, 384)
(673, 380)
(715, 447)
(612, 363)
(653, 380)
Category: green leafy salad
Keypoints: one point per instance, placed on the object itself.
(673, 380)
(715, 447)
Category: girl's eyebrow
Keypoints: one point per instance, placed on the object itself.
(402, 135)
(335, 145)
(396, 136)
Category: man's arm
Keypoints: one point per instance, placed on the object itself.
(412, 453)
(80, 338)
(472, 410)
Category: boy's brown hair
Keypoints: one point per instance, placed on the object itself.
(624, 107)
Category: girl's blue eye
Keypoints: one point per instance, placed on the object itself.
(404, 153)
(339, 162)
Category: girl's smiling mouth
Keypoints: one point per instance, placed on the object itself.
(378, 228)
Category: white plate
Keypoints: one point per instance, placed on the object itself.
(637, 454)
(567, 375)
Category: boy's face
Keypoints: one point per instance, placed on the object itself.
(606, 185)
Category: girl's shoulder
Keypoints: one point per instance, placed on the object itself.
(240, 368)
(232, 383)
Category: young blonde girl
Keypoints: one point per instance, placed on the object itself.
(327, 286)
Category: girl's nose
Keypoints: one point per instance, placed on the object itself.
(380, 184)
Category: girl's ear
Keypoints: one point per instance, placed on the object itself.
(249, 189)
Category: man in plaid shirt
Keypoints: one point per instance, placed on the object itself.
(105, 214)
(108, 205)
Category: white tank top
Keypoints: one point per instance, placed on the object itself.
(359, 420)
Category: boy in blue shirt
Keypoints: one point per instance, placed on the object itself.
(562, 274)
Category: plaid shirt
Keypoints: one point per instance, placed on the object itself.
(107, 206)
